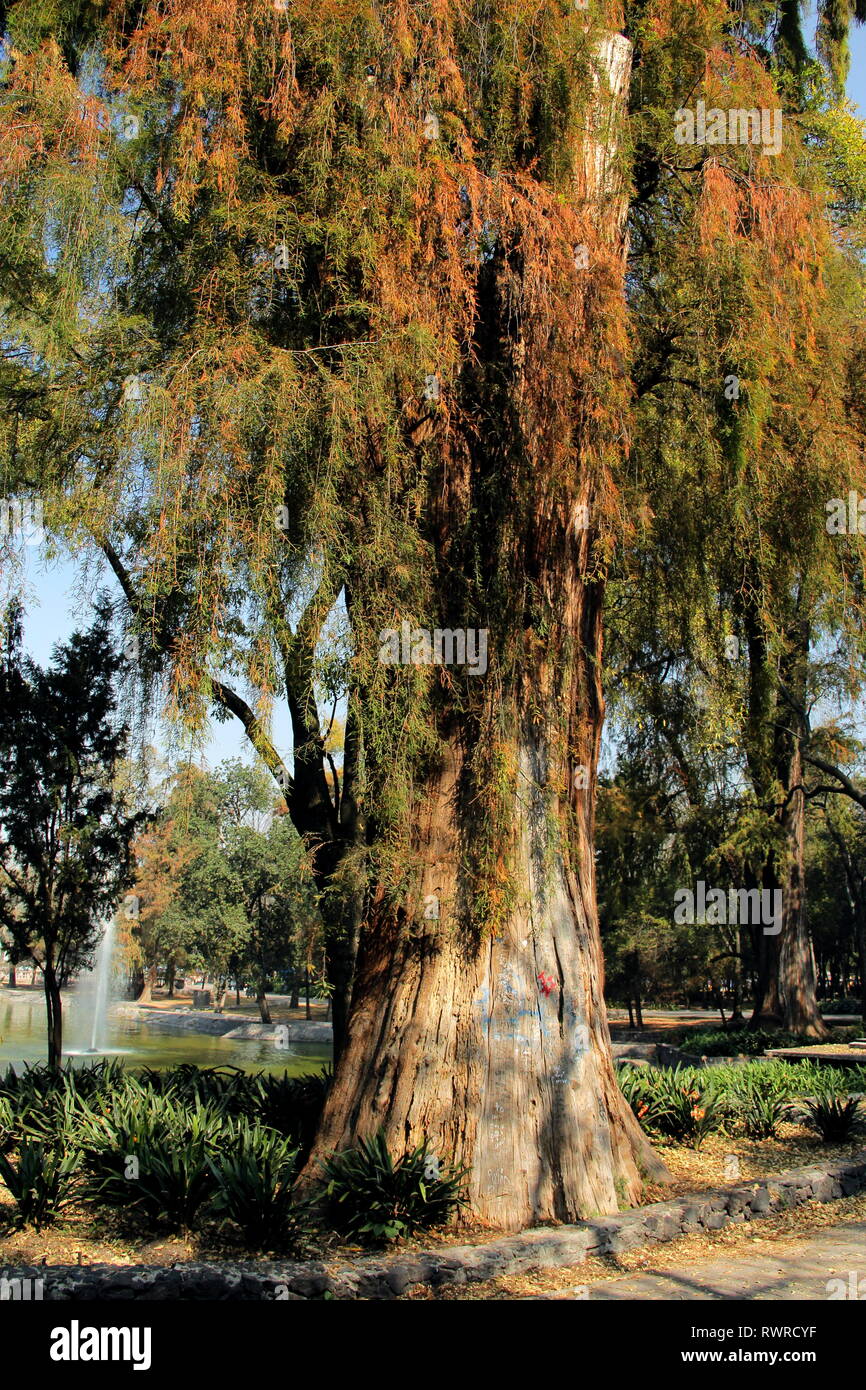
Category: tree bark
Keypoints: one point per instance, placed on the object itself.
(497, 1049)
(262, 1001)
(491, 1040)
(148, 986)
(54, 1016)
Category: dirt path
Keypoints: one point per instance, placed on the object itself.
(831, 1263)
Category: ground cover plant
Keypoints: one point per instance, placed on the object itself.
(165, 1151)
(687, 1103)
(751, 1042)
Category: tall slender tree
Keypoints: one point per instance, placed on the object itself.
(65, 825)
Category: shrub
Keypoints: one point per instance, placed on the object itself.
(723, 1042)
(683, 1103)
(686, 1111)
(41, 1182)
(636, 1084)
(165, 1183)
(147, 1156)
(293, 1104)
(832, 1114)
(370, 1197)
(761, 1105)
(254, 1187)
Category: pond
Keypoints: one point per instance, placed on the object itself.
(22, 1039)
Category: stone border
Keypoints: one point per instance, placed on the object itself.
(225, 1025)
(386, 1278)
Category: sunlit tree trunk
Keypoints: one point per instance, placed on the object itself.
(148, 986)
(262, 1001)
(492, 1039)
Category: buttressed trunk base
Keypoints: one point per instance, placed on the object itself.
(496, 1049)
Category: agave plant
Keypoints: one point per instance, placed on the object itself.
(254, 1177)
(41, 1182)
(832, 1114)
(761, 1106)
(369, 1196)
(683, 1105)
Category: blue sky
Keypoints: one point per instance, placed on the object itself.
(54, 608)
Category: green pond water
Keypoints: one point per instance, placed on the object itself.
(22, 1040)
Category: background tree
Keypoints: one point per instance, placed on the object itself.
(65, 826)
(160, 933)
(745, 294)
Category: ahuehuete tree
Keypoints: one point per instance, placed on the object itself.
(747, 304)
(361, 274)
(345, 315)
(65, 824)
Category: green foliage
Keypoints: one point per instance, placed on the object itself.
(369, 1196)
(145, 1155)
(760, 1105)
(41, 1182)
(293, 1104)
(159, 1147)
(223, 880)
(254, 1173)
(756, 1095)
(749, 1042)
(680, 1105)
(636, 1085)
(164, 1182)
(832, 1114)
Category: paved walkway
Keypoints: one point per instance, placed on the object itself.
(786, 1269)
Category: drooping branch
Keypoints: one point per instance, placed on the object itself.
(222, 693)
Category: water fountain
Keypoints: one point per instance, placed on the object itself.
(92, 999)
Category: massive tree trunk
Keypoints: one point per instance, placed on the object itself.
(497, 1047)
(485, 1029)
